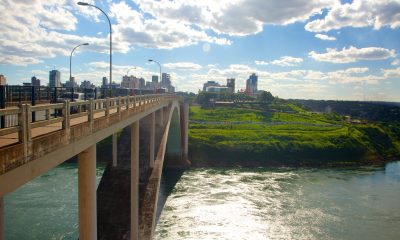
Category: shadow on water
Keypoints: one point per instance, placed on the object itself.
(169, 179)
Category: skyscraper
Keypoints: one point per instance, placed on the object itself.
(3, 80)
(230, 83)
(104, 82)
(154, 79)
(165, 80)
(251, 84)
(35, 82)
(54, 78)
(210, 84)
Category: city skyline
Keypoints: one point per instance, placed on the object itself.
(304, 49)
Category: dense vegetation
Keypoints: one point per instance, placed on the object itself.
(372, 111)
(278, 132)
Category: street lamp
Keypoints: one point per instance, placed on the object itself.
(109, 22)
(70, 69)
(70, 59)
(127, 72)
(151, 60)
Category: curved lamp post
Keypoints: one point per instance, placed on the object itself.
(70, 59)
(151, 60)
(109, 23)
(70, 69)
(127, 72)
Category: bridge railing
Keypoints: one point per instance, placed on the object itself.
(31, 139)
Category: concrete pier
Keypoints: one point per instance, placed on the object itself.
(184, 115)
(152, 138)
(114, 150)
(87, 194)
(160, 117)
(135, 181)
(1, 218)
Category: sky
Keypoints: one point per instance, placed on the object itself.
(307, 49)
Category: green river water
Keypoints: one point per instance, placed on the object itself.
(262, 203)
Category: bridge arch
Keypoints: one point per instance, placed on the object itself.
(176, 149)
(172, 154)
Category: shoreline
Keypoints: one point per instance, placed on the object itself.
(201, 162)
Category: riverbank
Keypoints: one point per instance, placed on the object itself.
(258, 136)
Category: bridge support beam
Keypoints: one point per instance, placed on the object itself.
(135, 181)
(160, 117)
(1, 219)
(152, 137)
(87, 194)
(184, 114)
(114, 150)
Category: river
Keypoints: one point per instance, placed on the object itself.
(262, 203)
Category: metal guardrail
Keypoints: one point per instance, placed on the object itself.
(12, 96)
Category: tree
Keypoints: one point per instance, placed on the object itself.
(265, 96)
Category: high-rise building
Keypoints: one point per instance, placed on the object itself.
(35, 82)
(230, 83)
(3, 80)
(154, 79)
(166, 80)
(54, 78)
(142, 83)
(251, 84)
(210, 84)
(104, 82)
(131, 82)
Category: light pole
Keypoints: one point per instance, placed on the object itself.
(70, 59)
(151, 60)
(109, 22)
(127, 72)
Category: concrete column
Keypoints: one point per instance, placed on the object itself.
(114, 150)
(87, 194)
(184, 108)
(1, 219)
(135, 181)
(160, 119)
(165, 113)
(152, 138)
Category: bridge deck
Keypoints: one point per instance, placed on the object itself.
(26, 141)
(13, 138)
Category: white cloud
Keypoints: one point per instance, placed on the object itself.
(353, 54)
(183, 66)
(391, 73)
(260, 62)
(395, 62)
(287, 61)
(359, 13)
(133, 27)
(233, 17)
(325, 37)
(352, 75)
(31, 32)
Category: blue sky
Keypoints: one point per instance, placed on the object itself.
(310, 49)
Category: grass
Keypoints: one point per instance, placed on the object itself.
(297, 141)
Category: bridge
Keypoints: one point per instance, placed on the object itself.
(148, 132)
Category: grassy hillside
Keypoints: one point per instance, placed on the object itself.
(284, 134)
